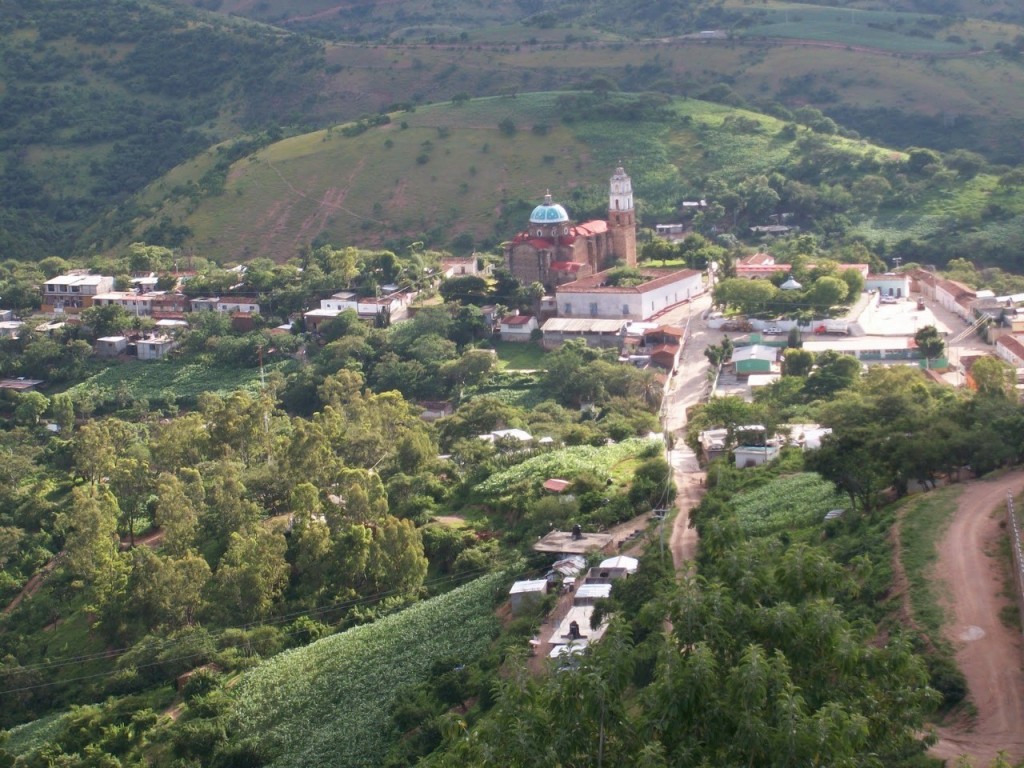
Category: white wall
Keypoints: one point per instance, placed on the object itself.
(628, 305)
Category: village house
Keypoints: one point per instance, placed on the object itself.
(596, 333)
(594, 297)
(517, 328)
(153, 347)
(73, 292)
(1011, 349)
(367, 308)
(111, 346)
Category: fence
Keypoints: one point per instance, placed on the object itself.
(1018, 553)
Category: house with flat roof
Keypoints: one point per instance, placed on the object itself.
(73, 292)
(596, 297)
(153, 347)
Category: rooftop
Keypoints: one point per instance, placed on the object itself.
(563, 542)
(548, 212)
(597, 283)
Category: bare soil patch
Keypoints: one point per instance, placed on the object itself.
(988, 652)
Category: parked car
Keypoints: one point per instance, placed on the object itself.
(889, 300)
(772, 330)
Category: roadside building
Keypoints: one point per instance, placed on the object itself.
(892, 284)
(759, 265)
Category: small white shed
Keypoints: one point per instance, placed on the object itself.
(525, 594)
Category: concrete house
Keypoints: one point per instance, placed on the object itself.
(527, 594)
(154, 347)
(111, 346)
(517, 328)
(889, 284)
(1011, 349)
(73, 292)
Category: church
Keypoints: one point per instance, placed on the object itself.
(554, 251)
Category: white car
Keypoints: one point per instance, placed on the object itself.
(772, 330)
(889, 300)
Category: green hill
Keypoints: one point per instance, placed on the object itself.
(98, 100)
(466, 175)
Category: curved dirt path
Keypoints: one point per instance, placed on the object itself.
(988, 652)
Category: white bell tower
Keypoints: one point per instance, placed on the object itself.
(622, 217)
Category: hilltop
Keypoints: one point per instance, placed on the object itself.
(465, 174)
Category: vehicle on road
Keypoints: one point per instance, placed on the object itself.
(772, 330)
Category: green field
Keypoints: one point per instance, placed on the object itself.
(517, 356)
(328, 704)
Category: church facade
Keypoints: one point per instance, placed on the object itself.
(553, 250)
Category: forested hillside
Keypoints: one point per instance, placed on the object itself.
(100, 98)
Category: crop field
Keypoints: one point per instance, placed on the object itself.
(328, 704)
(786, 503)
(166, 380)
(566, 463)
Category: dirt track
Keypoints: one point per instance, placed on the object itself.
(988, 652)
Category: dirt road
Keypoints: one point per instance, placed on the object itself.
(988, 652)
(686, 388)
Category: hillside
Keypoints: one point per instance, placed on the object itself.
(98, 101)
(465, 175)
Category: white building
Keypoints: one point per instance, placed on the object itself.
(217, 304)
(518, 327)
(154, 348)
(74, 291)
(1011, 349)
(889, 284)
(593, 297)
(111, 346)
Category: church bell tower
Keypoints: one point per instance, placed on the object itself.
(622, 217)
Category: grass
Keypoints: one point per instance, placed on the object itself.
(925, 519)
(518, 356)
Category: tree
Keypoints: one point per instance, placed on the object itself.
(929, 342)
(396, 561)
(464, 289)
(797, 362)
(833, 372)
(176, 514)
(993, 377)
(825, 293)
(30, 407)
(167, 591)
(252, 574)
(62, 411)
(107, 320)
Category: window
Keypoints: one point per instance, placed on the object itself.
(568, 309)
(540, 233)
(625, 309)
(593, 309)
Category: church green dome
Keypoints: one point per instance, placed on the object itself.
(548, 212)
